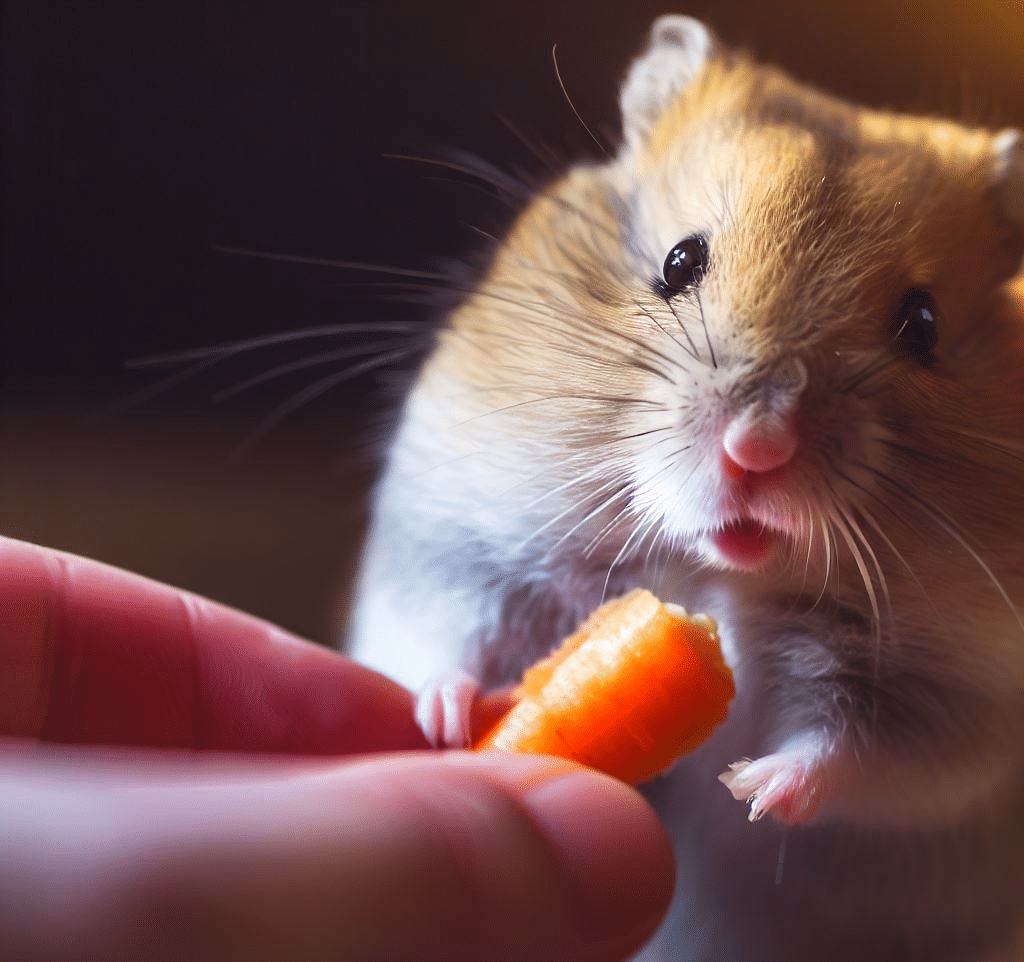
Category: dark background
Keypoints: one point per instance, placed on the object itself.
(139, 136)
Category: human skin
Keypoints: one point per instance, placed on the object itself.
(182, 780)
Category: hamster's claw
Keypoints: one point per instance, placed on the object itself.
(444, 709)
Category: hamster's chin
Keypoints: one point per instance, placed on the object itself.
(743, 545)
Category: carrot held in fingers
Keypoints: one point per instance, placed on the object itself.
(638, 685)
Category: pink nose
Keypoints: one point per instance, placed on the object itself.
(759, 445)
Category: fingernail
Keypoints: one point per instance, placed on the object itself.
(612, 847)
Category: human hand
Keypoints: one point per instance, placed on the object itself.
(179, 780)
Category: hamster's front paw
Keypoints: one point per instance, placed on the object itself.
(789, 783)
(444, 709)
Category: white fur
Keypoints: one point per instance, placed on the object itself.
(678, 47)
(562, 445)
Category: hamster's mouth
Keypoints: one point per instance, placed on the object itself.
(743, 544)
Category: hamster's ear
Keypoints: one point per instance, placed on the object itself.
(1009, 183)
(677, 50)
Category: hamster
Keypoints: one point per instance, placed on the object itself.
(768, 361)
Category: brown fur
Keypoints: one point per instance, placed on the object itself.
(564, 441)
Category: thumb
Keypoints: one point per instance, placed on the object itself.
(411, 856)
(451, 858)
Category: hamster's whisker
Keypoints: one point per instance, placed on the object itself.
(565, 93)
(685, 330)
(656, 541)
(851, 545)
(880, 531)
(602, 398)
(315, 390)
(481, 344)
(868, 372)
(691, 351)
(704, 324)
(584, 215)
(616, 467)
(595, 470)
(598, 435)
(585, 273)
(479, 231)
(470, 165)
(573, 349)
(154, 390)
(813, 525)
(617, 491)
(870, 518)
(830, 551)
(480, 169)
(568, 485)
(298, 365)
(570, 351)
(208, 357)
(548, 313)
(947, 524)
(880, 579)
(595, 542)
(588, 280)
(667, 554)
(623, 552)
(811, 531)
(567, 312)
(920, 455)
(330, 262)
(550, 309)
(437, 465)
(540, 150)
(218, 352)
(1001, 445)
(642, 434)
(670, 462)
(620, 492)
(957, 461)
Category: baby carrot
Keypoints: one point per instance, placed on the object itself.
(638, 685)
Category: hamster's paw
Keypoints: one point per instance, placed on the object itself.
(788, 783)
(444, 709)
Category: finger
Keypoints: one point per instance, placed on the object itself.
(93, 654)
(415, 857)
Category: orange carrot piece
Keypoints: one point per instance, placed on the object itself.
(628, 693)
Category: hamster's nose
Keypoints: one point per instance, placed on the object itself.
(759, 444)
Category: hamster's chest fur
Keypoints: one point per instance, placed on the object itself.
(767, 361)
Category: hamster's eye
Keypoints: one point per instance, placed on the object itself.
(916, 324)
(685, 265)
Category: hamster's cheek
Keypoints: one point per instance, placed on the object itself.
(670, 463)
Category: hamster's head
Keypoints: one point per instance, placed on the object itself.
(769, 327)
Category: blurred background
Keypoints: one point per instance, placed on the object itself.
(140, 139)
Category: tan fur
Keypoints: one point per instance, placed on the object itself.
(564, 441)
(823, 215)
